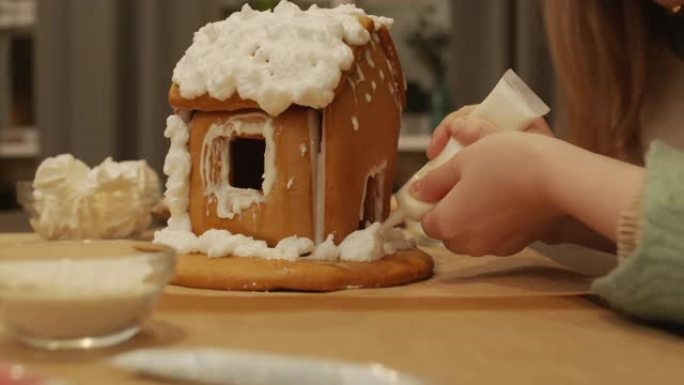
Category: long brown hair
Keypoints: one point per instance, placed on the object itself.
(600, 49)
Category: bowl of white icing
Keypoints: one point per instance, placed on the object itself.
(80, 294)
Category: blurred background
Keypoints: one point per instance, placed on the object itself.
(90, 77)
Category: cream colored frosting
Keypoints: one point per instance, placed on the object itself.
(364, 245)
(326, 251)
(86, 278)
(276, 58)
(56, 298)
(221, 243)
(177, 167)
(112, 200)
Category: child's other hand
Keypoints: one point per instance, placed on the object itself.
(493, 197)
(470, 128)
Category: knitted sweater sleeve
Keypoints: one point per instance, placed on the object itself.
(649, 281)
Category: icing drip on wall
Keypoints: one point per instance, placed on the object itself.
(375, 39)
(216, 151)
(369, 60)
(360, 78)
(392, 85)
(317, 151)
(353, 88)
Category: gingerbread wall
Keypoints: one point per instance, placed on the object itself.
(361, 129)
(287, 210)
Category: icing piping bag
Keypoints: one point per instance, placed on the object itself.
(233, 367)
(511, 105)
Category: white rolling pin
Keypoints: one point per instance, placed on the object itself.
(511, 105)
(232, 367)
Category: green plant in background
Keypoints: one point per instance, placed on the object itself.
(431, 45)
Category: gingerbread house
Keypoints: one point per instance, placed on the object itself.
(286, 126)
(300, 170)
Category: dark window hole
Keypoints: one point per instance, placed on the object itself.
(247, 162)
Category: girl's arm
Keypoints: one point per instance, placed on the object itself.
(649, 282)
(570, 230)
(592, 188)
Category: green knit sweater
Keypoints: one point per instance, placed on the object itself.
(650, 283)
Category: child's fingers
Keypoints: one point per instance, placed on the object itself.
(471, 249)
(439, 139)
(540, 126)
(442, 133)
(469, 130)
(438, 182)
(440, 222)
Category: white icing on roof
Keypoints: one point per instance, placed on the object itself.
(275, 58)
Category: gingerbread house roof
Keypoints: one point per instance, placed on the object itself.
(275, 59)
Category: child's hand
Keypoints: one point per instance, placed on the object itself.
(504, 191)
(495, 196)
(470, 128)
(443, 131)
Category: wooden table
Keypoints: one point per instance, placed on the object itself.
(517, 320)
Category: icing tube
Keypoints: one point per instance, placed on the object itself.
(511, 105)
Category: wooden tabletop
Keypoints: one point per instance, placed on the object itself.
(516, 320)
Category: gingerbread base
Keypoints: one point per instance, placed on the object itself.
(255, 274)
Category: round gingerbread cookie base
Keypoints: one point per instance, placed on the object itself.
(256, 274)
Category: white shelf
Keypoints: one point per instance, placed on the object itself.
(11, 23)
(415, 132)
(23, 145)
(17, 14)
(18, 150)
(413, 143)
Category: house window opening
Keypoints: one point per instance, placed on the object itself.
(372, 203)
(247, 162)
